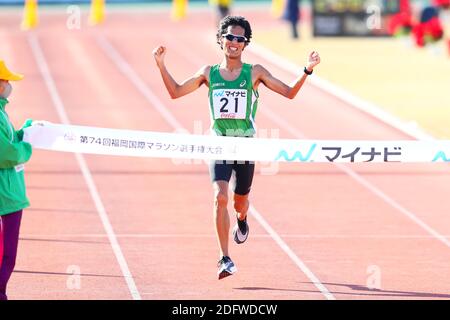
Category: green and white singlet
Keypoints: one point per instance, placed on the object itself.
(233, 104)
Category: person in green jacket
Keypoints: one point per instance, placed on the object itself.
(13, 199)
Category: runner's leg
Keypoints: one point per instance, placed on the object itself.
(244, 179)
(220, 172)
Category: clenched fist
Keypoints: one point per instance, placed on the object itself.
(313, 60)
(158, 54)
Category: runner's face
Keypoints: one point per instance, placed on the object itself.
(5, 89)
(233, 49)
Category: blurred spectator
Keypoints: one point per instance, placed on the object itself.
(292, 14)
(429, 30)
(401, 23)
(405, 5)
(428, 13)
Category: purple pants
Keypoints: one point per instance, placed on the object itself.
(9, 240)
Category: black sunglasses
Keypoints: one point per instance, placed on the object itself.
(231, 37)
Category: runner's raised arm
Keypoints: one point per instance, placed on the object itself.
(262, 75)
(187, 86)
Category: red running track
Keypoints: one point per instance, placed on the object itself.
(317, 230)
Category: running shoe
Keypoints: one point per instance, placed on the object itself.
(240, 231)
(226, 267)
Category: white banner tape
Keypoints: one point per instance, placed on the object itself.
(104, 141)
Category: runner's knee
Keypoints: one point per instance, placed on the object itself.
(221, 200)
(241, 206)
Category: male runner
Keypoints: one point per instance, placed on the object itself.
(233, 96)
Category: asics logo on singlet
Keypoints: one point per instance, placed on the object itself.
(243, 83)
(220, 84)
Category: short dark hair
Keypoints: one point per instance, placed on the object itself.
(234, 21)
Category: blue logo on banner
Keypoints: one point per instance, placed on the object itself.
(218, 93)
(441, 156)
(297, 155)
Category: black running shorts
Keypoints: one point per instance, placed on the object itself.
(243, 172)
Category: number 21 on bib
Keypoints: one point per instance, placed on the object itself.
(230, 103)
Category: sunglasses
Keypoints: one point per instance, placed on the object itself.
(231, 37)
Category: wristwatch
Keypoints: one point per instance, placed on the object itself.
(308, 72)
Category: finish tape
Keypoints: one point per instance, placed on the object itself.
(103, 141)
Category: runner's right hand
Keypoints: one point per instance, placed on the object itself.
(158, 54)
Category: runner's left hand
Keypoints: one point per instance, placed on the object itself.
(313, 60)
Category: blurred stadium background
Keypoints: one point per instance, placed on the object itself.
(392, 71)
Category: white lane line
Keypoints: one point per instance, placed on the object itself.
(360, 105)
(283, 245)
(92, 75)
(394, 204)
(126, 69)
(360, 180)
(60, 109)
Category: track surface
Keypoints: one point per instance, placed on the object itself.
(340, 225)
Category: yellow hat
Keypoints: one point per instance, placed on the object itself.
(5, 74)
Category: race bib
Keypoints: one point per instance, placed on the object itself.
(229, 103)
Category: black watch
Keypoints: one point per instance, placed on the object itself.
(308, 72)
